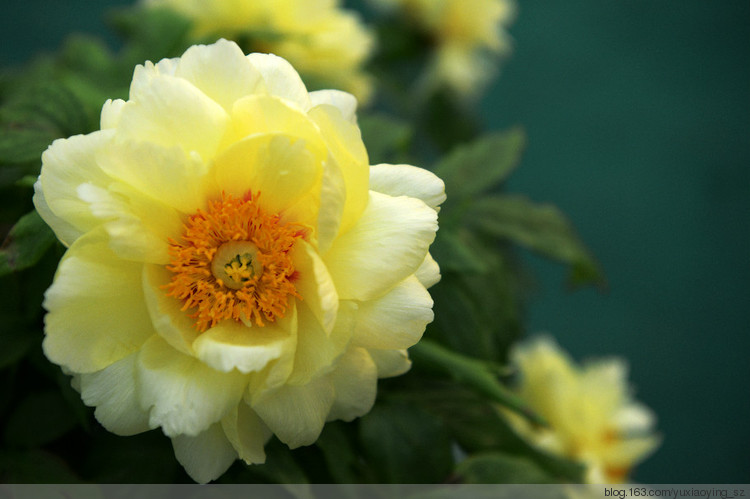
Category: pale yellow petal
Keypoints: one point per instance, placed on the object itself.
(233, 345)
(67, 164)
(113, 392)
(407, 180)
(205, 456)
(344, 101)
(315, 285)
(318, 349)
(387, 244)
(110, 115)
(170, 111)
(167, 174)
(170, 322)
(355, 381)
(96, 311)
(296, 414)
(390, 362)
(395, 320)
(345, 144)
(429, 272)
(221, 71)
(184, 395)
(247, 433)
(280, 168)
(281, 79)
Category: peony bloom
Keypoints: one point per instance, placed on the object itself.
(592, 417)
(322, 41)
(465, 32)
(235, 268)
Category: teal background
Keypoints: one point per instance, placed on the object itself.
(638, 117)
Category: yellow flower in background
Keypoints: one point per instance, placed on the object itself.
(322, 41)
(468, 36)
(235, 267)
(592, 417)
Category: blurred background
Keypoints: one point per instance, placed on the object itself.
(638, 118)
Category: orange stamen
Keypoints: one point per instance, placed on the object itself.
(252, 249)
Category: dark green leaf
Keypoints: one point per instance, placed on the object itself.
(482, 165)
(386, 138)
(541, 228)
(38, 419)
(15, 340)
(497, 467)
(34, 467)
(476, 374)
(26, 243)
(153, 33)
(339, 453)
(24, 145)
(455, 253)
(406, 444)
(280, 466)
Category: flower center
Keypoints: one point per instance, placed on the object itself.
(233, 262)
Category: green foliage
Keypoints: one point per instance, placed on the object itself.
(25, 244)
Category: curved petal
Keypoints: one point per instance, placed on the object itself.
(281, 79)
(184, 395)
(317, 349)
(315, 285)
(344, 101)
(391, 362)
(387, 244)
(221, 71)
(67, 164)
(170, 111)
(345, 144)
(96, 312)
(113, 392)
(429, 272)
(281, 168)
(247, 433)
(296, 414)
(110, 114)
(396, 320)
(205, 456)
(170, 321)
(233, 345)
(407, 180)
(355, 381)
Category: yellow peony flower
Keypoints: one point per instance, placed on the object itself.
(592, 417)
(235, 268)
(321, 40)
(465, 32)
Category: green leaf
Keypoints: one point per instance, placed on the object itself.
(482, 165)
(497, 467)
(339, 454)
(386, 138)
(34, 467)
(153, 33)
(479, 375)
(40, 418)
(26, 243)
(24, 145)
(406, 444)
(280, 466)
(541, 228)
(455, 253)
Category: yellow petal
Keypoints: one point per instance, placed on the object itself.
(113, 392)
(221, 71)
(110, 114)
(387, 244)
(281, 168)
(407, 180)
(184, 395)
(67, 164)
(315, 285)
(96, 312)
(429, 272)
(395, 320)
(233, 345)
(344, 101)
(390, 362)
(247, 433)
(170, 111)
(281, 79)
(355, 381)
(296, 414)
(205, 456)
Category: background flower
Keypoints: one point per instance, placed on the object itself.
(589, 409)
(325, 43)
(235, 269)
